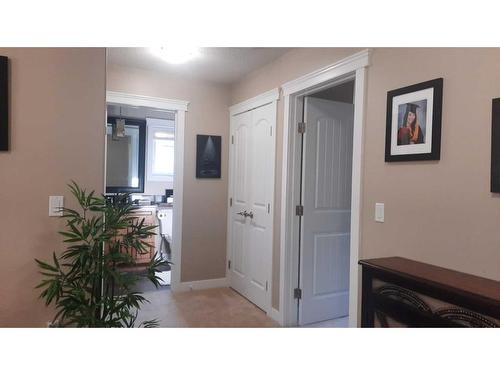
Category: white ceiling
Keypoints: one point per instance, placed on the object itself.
(219, 65)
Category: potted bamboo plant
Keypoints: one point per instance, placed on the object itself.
(86, 282)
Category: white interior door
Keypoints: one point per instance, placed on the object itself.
(251, 190)
(239, 182)
(326, 197)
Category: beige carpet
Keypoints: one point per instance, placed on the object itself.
(218, 307)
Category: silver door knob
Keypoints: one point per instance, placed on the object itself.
(250, 214)
(242, 213)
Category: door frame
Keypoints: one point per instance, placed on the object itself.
(268, 97)
(179, 107)
(352, 67)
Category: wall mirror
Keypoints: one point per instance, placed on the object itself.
(125, 142)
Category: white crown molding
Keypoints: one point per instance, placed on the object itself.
(146, 101)
(341, 67)
(256, 101)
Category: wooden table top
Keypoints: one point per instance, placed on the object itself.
(437, 276)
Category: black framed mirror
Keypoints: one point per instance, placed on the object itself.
(4, 104)
(126, 153)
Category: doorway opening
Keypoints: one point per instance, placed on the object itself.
(326, 139)
(308, 252)
(156, 177)
(140, 147)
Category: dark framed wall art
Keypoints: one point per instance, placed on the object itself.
(495, 146)
(208, 156)
(4, 104)
(413, 123)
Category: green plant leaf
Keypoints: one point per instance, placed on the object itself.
(84, 282)
(154, 323)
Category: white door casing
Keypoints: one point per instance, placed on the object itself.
(326, 197)
(251, 190)
(179, 107)
(355, 66)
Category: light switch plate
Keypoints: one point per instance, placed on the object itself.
(379, 212)
(56, 202)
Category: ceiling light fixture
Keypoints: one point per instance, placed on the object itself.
(176, 55)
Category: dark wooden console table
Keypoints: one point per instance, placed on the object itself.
(399, 292)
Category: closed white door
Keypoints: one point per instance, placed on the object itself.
(239, 201)
(326, 198)
(251, 193)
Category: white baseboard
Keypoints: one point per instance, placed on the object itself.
(186, 286)
(275, 315)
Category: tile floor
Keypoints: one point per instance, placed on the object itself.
(218, 307)
(333, 323)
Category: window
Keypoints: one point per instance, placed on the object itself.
(163, 155)
(160, 150)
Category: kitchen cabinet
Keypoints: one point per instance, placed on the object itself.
(149, 215)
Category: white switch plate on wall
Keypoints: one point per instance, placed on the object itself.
(379, 212)
(56, 202)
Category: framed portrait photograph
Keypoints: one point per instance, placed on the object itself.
(413, 123)
(208, 156)
(4, 104)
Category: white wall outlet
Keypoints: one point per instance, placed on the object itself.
(56, 202)
(379, 212)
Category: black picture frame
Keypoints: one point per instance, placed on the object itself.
(495, 145)
(141, 124)
(420, 146)
(4, 103)
(208, 156)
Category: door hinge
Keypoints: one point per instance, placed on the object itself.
(271, 131)
(297, 293)
(299, 210)
(266, 286)
(269, 208)
(230, 202)
(232, 139)
(302, 127)
(228, 264)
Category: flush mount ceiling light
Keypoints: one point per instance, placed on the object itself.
(176, 55)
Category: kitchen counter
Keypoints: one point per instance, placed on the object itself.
(150, 206)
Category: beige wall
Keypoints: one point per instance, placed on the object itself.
(439, 212)
(57, 109)
(205, 201)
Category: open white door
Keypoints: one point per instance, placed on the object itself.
(326, 198)
(251, 193)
